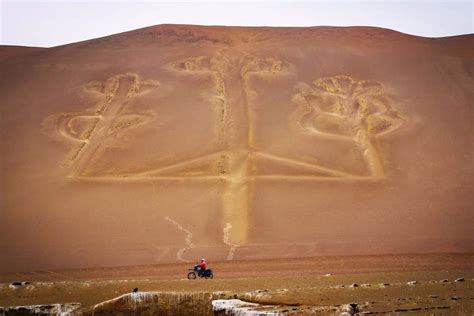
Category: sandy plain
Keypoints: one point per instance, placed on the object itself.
(298, 286)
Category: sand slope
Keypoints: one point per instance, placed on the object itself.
(173, 142)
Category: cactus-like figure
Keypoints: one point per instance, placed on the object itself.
(342, 108)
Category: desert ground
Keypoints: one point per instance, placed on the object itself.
(418, 284)
(159, 146)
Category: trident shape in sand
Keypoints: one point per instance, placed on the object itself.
(339, 108)
(234, 133)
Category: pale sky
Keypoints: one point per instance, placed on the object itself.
(52, 23)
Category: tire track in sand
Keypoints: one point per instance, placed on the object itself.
(227, 228)
(188, 239)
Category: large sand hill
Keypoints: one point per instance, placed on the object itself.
(173, 142)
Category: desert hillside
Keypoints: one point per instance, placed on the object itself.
(174, 142)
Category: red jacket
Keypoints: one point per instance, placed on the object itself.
(202, 264)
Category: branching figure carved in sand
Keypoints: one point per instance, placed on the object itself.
(89, 130)
(252, 65)
(342, 108)
(216, 66)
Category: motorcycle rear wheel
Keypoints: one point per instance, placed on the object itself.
(191, 275)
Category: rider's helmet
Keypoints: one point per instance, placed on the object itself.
(202, 259)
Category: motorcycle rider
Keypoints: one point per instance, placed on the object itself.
(202, 266)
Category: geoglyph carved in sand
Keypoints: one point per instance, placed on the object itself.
(217, 67)
(345, 109)
(89, 131)
(339, 108)
(234, 131)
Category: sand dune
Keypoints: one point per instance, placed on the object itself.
(174, 142)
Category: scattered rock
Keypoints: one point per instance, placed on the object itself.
(444, 281)
(354, 306)
(328, 274)
(260, 291)
(282, 290)
(48, 309)
(442, 307)
(459, 280)
(348, 309)
(135, 290)
(384, 284)
(366, 285)
(455, 298)
(412, 282)
(238, 307)
(340, 286)
(17, 284)
(433, 296)
(354, 285)
(45, 284)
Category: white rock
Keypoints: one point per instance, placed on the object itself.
(348, 309)
(65, 309)
(238, 307)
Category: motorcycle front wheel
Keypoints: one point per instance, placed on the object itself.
(191, 275)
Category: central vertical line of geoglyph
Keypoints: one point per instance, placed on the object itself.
(237, 124)
(233, 77)
(241, 150)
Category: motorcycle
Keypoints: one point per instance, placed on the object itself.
(197, 272)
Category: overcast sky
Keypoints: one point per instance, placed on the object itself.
(52, 23)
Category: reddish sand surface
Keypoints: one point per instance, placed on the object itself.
(173, 142)
(7, 51)
(395, 283)
(262, 268)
